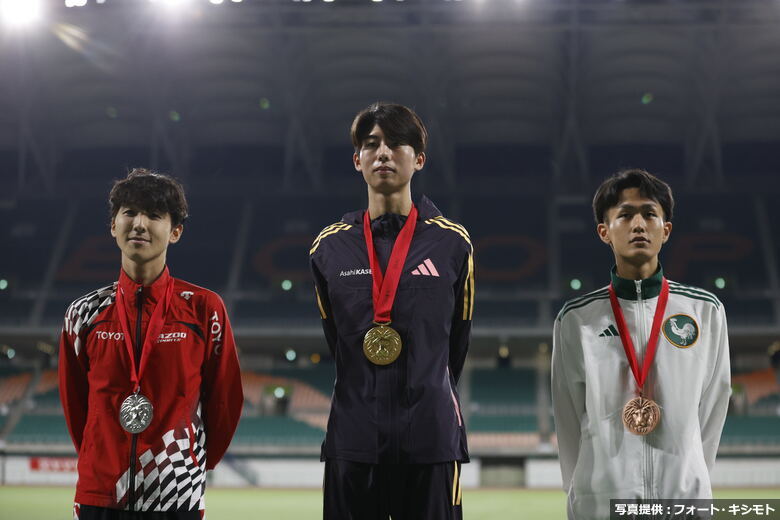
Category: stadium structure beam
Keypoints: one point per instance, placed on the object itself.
(432, 69)
(239, 251)
(303, 147)
(768, 249)
(703, 150)
(569, 153)
(152, 57)
(25, 91)
(55, 260)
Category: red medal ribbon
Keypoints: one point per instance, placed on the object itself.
(386, 285)
(156, 323)
(652, 342)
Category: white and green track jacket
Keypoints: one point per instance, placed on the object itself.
(592, 381)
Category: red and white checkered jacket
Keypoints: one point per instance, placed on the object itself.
(192, 378)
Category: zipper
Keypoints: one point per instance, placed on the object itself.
(647, 465)
(139, 294)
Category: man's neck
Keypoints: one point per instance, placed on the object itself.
(380, 203)
(638, 271)
(145, 273)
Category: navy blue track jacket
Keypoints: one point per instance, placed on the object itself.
(407, 412)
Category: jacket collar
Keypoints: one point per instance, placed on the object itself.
(627, 289)
(152, 293)
(425, 210)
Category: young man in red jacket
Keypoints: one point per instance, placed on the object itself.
(149, 377)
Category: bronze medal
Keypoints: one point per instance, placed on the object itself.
(641, 416)
(382, 345)
(136, 413)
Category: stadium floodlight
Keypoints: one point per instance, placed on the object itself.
(75, 3)
(171, 3)
(216, 2)
(20, 13)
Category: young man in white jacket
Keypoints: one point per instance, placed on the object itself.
(640, 368)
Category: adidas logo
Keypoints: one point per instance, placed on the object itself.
(426, 269)
(609, 332)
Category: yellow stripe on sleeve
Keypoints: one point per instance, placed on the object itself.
(330, 230)
(468, 291)
(452, 223)
(451, 227)
(319, 304)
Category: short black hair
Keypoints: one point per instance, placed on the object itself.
(400, 124)
(650, 186)
(150, 192)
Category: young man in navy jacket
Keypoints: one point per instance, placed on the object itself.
(395, 289)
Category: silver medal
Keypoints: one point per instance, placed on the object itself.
(136, 413)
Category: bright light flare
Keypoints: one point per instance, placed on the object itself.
(171, 4)
(20, 13)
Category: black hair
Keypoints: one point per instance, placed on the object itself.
(650, 186)
(149, 192)
(400, 124)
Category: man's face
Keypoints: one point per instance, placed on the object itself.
(635, 229)
(386, 167)
(142, 236)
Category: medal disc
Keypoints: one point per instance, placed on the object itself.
(136, 413)
(382, 345)
(641, 416)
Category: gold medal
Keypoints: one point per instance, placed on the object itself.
(641, 416)
(382, 345)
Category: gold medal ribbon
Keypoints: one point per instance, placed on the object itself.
(385, 285)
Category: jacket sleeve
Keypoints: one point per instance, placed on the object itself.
(714, 400)
(323, 304)
(222, 394)
(568, 399)
(74, 385)
(460, 329)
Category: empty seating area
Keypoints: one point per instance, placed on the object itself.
(717, 244)
(501, 415)
(276, 431)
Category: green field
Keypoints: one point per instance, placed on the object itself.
(55, 503)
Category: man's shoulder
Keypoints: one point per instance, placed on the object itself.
(189, 292)
(583, 302)
(99, 298)
(693, 293)
(449, 228)
(327, 232)
(85, 309)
